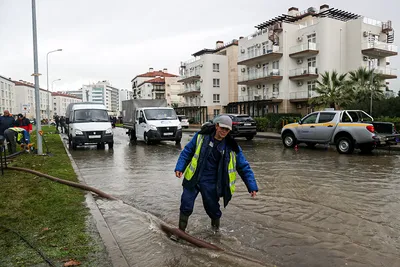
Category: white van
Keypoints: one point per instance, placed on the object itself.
(89, 123)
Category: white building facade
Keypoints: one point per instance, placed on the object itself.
(7, 95)
(210, 81)
(124, 94)
(25, 100)
(280, 63)
(61, 102)
(157, 85)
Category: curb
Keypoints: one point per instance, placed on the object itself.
(112, 247)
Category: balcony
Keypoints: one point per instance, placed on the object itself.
(386, 73)
(260, 55)
(303, 74)
(272, 96)
(302, 96)
(304, 50)
(194, 90)
(260, 77)
(378, 49)
(190, 78)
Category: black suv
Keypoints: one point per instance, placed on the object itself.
(242, 125)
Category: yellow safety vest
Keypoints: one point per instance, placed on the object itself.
(191, 168)
(20, 134)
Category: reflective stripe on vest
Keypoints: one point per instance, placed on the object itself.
(191, 168)
(232, 171)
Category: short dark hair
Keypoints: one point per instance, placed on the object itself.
(20, 115)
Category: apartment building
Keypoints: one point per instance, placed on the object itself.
(101, 92)
(280, 63)
(7, 95)
(210, 81)
(25, 100)
(157, 85)
(61, 102)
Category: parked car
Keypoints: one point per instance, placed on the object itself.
(184, 121)
(347, 129)
(242, 125)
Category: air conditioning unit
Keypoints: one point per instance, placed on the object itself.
(201, 65)
(258, 86)
(365, 34)
(243, 69)
(365, 58)
(299, 61)
(258, 45)
(243, 50)
(299, 39)
(201, 80)
(258, 66)
(243, 88)
(299, 83)
(298, 106)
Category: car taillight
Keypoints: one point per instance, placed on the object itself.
(235, 123)
(371, 128)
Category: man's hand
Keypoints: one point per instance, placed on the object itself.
(178, 174)
(253, 194)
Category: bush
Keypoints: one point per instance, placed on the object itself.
(285, 120)
(274, 120)
(262, 124)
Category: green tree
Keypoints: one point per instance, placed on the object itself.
(331, 90)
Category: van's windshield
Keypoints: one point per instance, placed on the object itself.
(160, 114)
(91, 115)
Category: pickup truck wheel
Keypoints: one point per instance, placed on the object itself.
(366, 148)
(146, 139)
(289, 140)
(250, 137)
(344, 145)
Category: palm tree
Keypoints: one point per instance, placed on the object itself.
(331, 90)
(364, 82)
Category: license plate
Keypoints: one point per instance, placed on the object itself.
(168, 133)
(94, 136)
(247, 124)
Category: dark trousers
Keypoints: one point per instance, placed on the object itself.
(10, 136)
(210, 199)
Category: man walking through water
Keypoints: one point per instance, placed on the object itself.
(208, 164)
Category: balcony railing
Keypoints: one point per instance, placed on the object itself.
(379, 45)
(267, 96)
(303, 47)
(303, 94)
(303, 71)
(260, 74)
(259, 52)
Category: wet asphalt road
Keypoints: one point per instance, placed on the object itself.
(315, 207)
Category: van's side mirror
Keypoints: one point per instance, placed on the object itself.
(141, 120)
(67, 120)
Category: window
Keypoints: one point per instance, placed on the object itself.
(275, 89)
(310, 119)
(215, 67)
(215, 82)
(312, 62)
(312, 38)
(311, 85)
(216, 112)
(326, 117)
(215, 98)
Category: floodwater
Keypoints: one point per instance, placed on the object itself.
(315, 207)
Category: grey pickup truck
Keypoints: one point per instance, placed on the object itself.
(347, 129)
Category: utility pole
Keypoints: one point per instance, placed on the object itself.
(36, 75)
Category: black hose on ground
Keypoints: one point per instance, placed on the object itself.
(61, 181)
(14, 154)
(29, 244)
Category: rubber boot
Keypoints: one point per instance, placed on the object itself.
(183, 221)
(215, 224)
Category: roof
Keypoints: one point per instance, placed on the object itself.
(155, 74)
(212, 51)
(8, 79)
(330, 13)
(64, 95)
(28, 84)
(157, 80)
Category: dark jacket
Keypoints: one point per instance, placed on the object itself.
(24, 123)
(242, 165)
(5, 123)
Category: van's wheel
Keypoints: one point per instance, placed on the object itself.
(111, 145)
(178, 141)
(146, 139)
(289, 140)
(132, 136)
(74, 145)
(344, 145)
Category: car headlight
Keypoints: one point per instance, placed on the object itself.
(78, 132)
(153, 127)
(109, 131)
(179, 127)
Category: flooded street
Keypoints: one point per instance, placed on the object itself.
(315, 207)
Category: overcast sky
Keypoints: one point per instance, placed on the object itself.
(117, 40)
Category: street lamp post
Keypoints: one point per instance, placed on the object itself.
(47, 76)
(52, 84)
